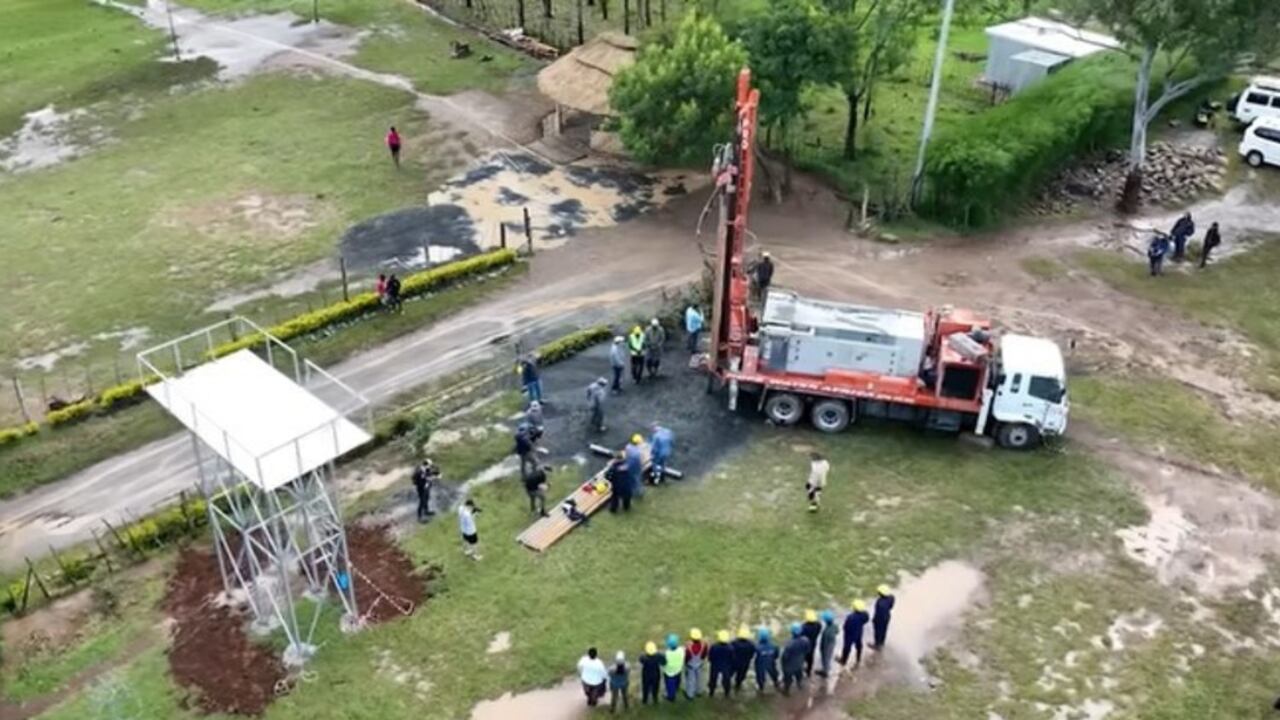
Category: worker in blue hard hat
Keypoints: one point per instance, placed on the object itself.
(766, 660)
(827, 642)
(743, 651)
(673, 666)
(793, 659)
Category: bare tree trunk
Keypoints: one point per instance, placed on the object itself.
(604, 9)
(648, 17)
(851, 127)
(580, 38)
(626, 17)
(520, 11)
(546, 8)
(1131, 195)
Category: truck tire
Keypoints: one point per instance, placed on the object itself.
(1017, 436)
(784, 408)
(1254, 159)
(830, 416)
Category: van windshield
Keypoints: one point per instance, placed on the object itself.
(1046, 388)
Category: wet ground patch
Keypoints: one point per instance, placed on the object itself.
(403, 238)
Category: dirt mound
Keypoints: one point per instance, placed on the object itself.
(387, 584)
(211, 654)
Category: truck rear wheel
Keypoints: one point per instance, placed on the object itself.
(830, 416)
(1017, 436)
(784, 408)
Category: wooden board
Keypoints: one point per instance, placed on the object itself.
(545, 532)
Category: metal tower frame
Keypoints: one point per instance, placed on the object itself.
(276, 544)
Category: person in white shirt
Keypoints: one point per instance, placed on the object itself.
(467, 526)
(818, 469)
(594, 676)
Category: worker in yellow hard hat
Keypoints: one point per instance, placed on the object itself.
(695, 658)
(721, 658)
(634, 453)
(744, 650)
(811, 629)
(854, 623)
(635, 348)
(884, 612)
(651, 663)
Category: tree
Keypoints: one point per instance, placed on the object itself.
(1191, 42)
(793, 45)
(677, 101)
(879, 37)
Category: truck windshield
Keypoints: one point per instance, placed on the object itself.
(1046, 388)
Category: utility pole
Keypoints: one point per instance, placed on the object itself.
(917, 178)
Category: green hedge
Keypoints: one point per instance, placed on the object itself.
(572, 344)
(416, 284)
(997, 159)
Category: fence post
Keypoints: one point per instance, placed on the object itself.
(119, 540)
(528, 231)
(22, 401)
(88, 377)
(32, 574)
(426, 253)
(62, 566)
(26, 587)
(502, 235)
(44, 392)
(342, 265)
(106, 556)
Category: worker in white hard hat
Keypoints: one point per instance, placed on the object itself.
(762, 274)
(618, 361)
(655, 338)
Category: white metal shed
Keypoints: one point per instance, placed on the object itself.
(1021, 52)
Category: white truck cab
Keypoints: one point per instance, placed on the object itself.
(1029, 399)
(1260, 100)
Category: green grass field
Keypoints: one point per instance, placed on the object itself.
(199, 190)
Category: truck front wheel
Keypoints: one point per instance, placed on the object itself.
(830, 416)
(784, 408)
(1017, 436)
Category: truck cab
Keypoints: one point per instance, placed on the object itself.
(1029, 392)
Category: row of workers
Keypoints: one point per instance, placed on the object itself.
(727, 662)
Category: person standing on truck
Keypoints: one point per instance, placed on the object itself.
(635, 348)
(743, 652)
(854, 623)
(672, 667)
(884, 612)
(1212, 239)
(596, 393)
(811, 629)
(817, 480)
(692, 327)
(766, 660)
(617, 362)
(1156, 250)
(655, 336)
(762, 273)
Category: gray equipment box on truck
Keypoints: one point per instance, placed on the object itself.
(813, 337)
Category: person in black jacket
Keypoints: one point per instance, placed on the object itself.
(620, 480)
(854, 623)
(651, 663)
(535, 485)
(884, 611)
(743, 652)
(811, 630)
(424, 477)
(1212, 239)
(762, 273)
(524, 449)
(721, 659)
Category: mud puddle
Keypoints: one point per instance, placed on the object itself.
(562, 702)
(48, 137)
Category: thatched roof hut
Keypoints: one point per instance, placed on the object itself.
(581, 79)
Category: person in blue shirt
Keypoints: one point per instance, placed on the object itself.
(692, 327)
(766, 660)
(884, 612)
(661, 445)
(854, 623)
(529, 377)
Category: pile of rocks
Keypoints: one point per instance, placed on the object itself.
(1174, 174)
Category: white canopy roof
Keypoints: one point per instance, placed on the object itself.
(267, 427)
(1052, 36)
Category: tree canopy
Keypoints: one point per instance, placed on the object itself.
(677, 101)
(794, 45)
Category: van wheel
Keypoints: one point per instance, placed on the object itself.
(1017, 436)
(784, 408)
(830, 416)
(1254, 159)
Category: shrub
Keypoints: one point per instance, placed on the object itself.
(996, 159)
(16, 433)
(572, 344)
(76, 568)
(124, 392)
(71, 413)
(142, 534)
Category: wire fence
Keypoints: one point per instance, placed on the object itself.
(564, 24)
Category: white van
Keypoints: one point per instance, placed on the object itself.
(1260, 99)
(1261, 142)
